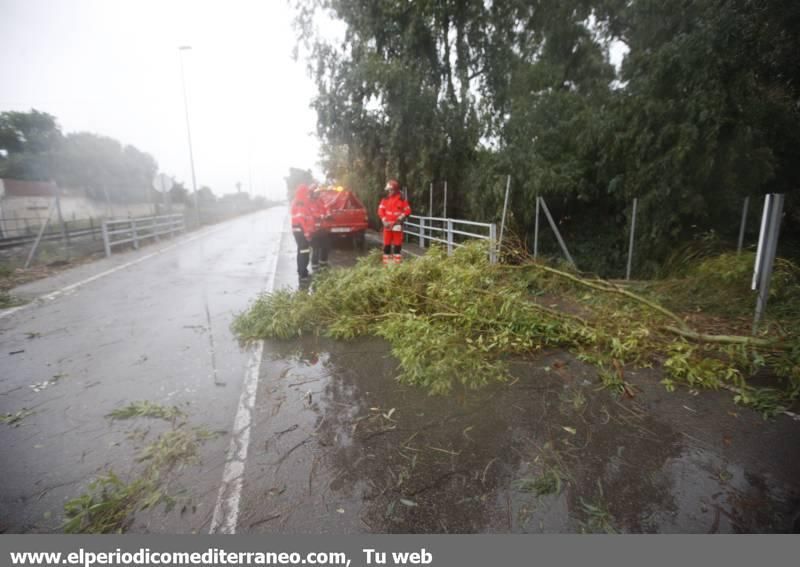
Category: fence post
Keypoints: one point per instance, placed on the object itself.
(536, 231)
(106, 243)
(742, 225)
(39, 236)
(444, 210)
(430, 201)
(765, 255)
(505, 207)
(630, 244)
(449, 237)
(558, 234)
(493, 243)
(135, 235)
(422, 232)
(154, 228)
(64, 232)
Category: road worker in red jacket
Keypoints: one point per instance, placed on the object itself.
(303, 227)
(320, 238)
(392, 211)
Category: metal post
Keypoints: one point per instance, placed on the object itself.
(154, 228)
(422, 232)
(430, 202)
(558, 234)
(64, 233)
(91, 227)
(164, 195)
(762, 236)
(444, 210)
(630, 244)
(135, 236)
(505, 207)
(110, 211)
(106, 242)
(39, 236)
(449, 237)
(189, 134)
(148, 195)
(773, 211)
(742, 225)
(492, 243)
(536, 231)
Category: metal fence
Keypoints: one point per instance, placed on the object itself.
(69, 230)
(125, 231)
(451, 232)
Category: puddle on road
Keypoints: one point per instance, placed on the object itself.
(340, 447)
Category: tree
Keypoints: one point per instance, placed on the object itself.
(28, 141)
(205, 196)
(709, 115)
(296, 178)
(103, 167)
(179, 194)
(704, 111)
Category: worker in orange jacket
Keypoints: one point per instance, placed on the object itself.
(393, 210)
(303, 227)
(320, 238)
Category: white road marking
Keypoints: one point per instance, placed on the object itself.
(226, 510)
(72, 287)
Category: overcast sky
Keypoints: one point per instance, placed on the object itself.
(112, 67)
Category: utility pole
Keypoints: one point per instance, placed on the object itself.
(181, 49)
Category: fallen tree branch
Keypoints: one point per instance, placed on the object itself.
(723, 339)
(739, 391)
(613, 289)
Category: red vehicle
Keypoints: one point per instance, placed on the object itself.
(348, 214)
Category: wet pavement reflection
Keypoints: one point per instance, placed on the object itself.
(339, 446)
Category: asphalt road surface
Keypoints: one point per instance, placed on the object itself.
(147, 325)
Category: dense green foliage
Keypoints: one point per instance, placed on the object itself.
(36, 149)
(703, 111)
(452, 322)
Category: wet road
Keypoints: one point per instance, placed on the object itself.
(339, 447)
(315, 436)
(157, 330)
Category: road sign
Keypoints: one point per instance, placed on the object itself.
(162, 182)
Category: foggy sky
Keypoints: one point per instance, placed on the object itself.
(112, 67)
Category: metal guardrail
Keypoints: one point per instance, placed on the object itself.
(447, 229)
(14, 241)
(138, 229)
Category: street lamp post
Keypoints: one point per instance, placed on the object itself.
(181, 49)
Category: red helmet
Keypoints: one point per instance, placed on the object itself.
(392, 185)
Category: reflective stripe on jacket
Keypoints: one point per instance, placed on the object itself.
(392, 207)
(307, 213)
